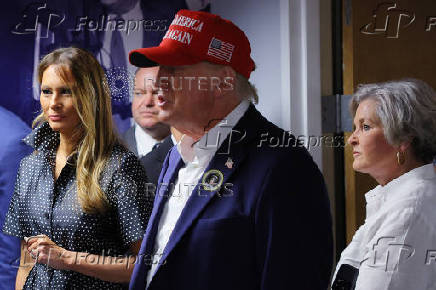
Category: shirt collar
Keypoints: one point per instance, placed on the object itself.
(201, 152)
(144, 141)
(423, 172)
(43, 138)
(173, 139)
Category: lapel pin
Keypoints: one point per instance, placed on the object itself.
(229, 163)
(212, 180)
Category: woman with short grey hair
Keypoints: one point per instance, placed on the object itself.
(394, 141)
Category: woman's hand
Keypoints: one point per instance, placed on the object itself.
(45, 251)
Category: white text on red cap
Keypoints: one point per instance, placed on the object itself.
(188, 22)
(180, 36)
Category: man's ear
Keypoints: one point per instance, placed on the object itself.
(225, 80)
(228, 71)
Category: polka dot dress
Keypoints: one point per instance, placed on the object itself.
(41, 205)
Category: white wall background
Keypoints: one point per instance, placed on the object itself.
(261, 23)
(284, 37)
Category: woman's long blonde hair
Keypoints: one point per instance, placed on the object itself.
(96, 136)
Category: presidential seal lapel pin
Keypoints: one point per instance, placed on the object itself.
(212, 180)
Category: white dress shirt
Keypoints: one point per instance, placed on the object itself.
(196, 157)
(396, 246)
(144, 142)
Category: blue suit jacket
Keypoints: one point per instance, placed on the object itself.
(12, 131)
(267, 227)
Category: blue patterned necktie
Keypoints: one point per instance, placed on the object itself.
(118, 52)
(174, 164)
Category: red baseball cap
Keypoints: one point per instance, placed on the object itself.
(196, 36)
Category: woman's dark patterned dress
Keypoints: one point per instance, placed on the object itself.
(41, 205)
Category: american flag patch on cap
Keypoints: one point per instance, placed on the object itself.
(220, 49)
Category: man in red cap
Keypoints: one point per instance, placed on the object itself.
(233, 210)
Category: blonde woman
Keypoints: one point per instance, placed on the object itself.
(79, 204)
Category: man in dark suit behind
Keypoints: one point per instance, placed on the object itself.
(147, 131)
(153, 161)
(232, 209)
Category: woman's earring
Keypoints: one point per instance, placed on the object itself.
(401, 158)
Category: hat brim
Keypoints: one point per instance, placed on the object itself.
(160, 55)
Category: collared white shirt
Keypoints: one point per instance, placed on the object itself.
(196, 157)
(396, 246)
(144, 142)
